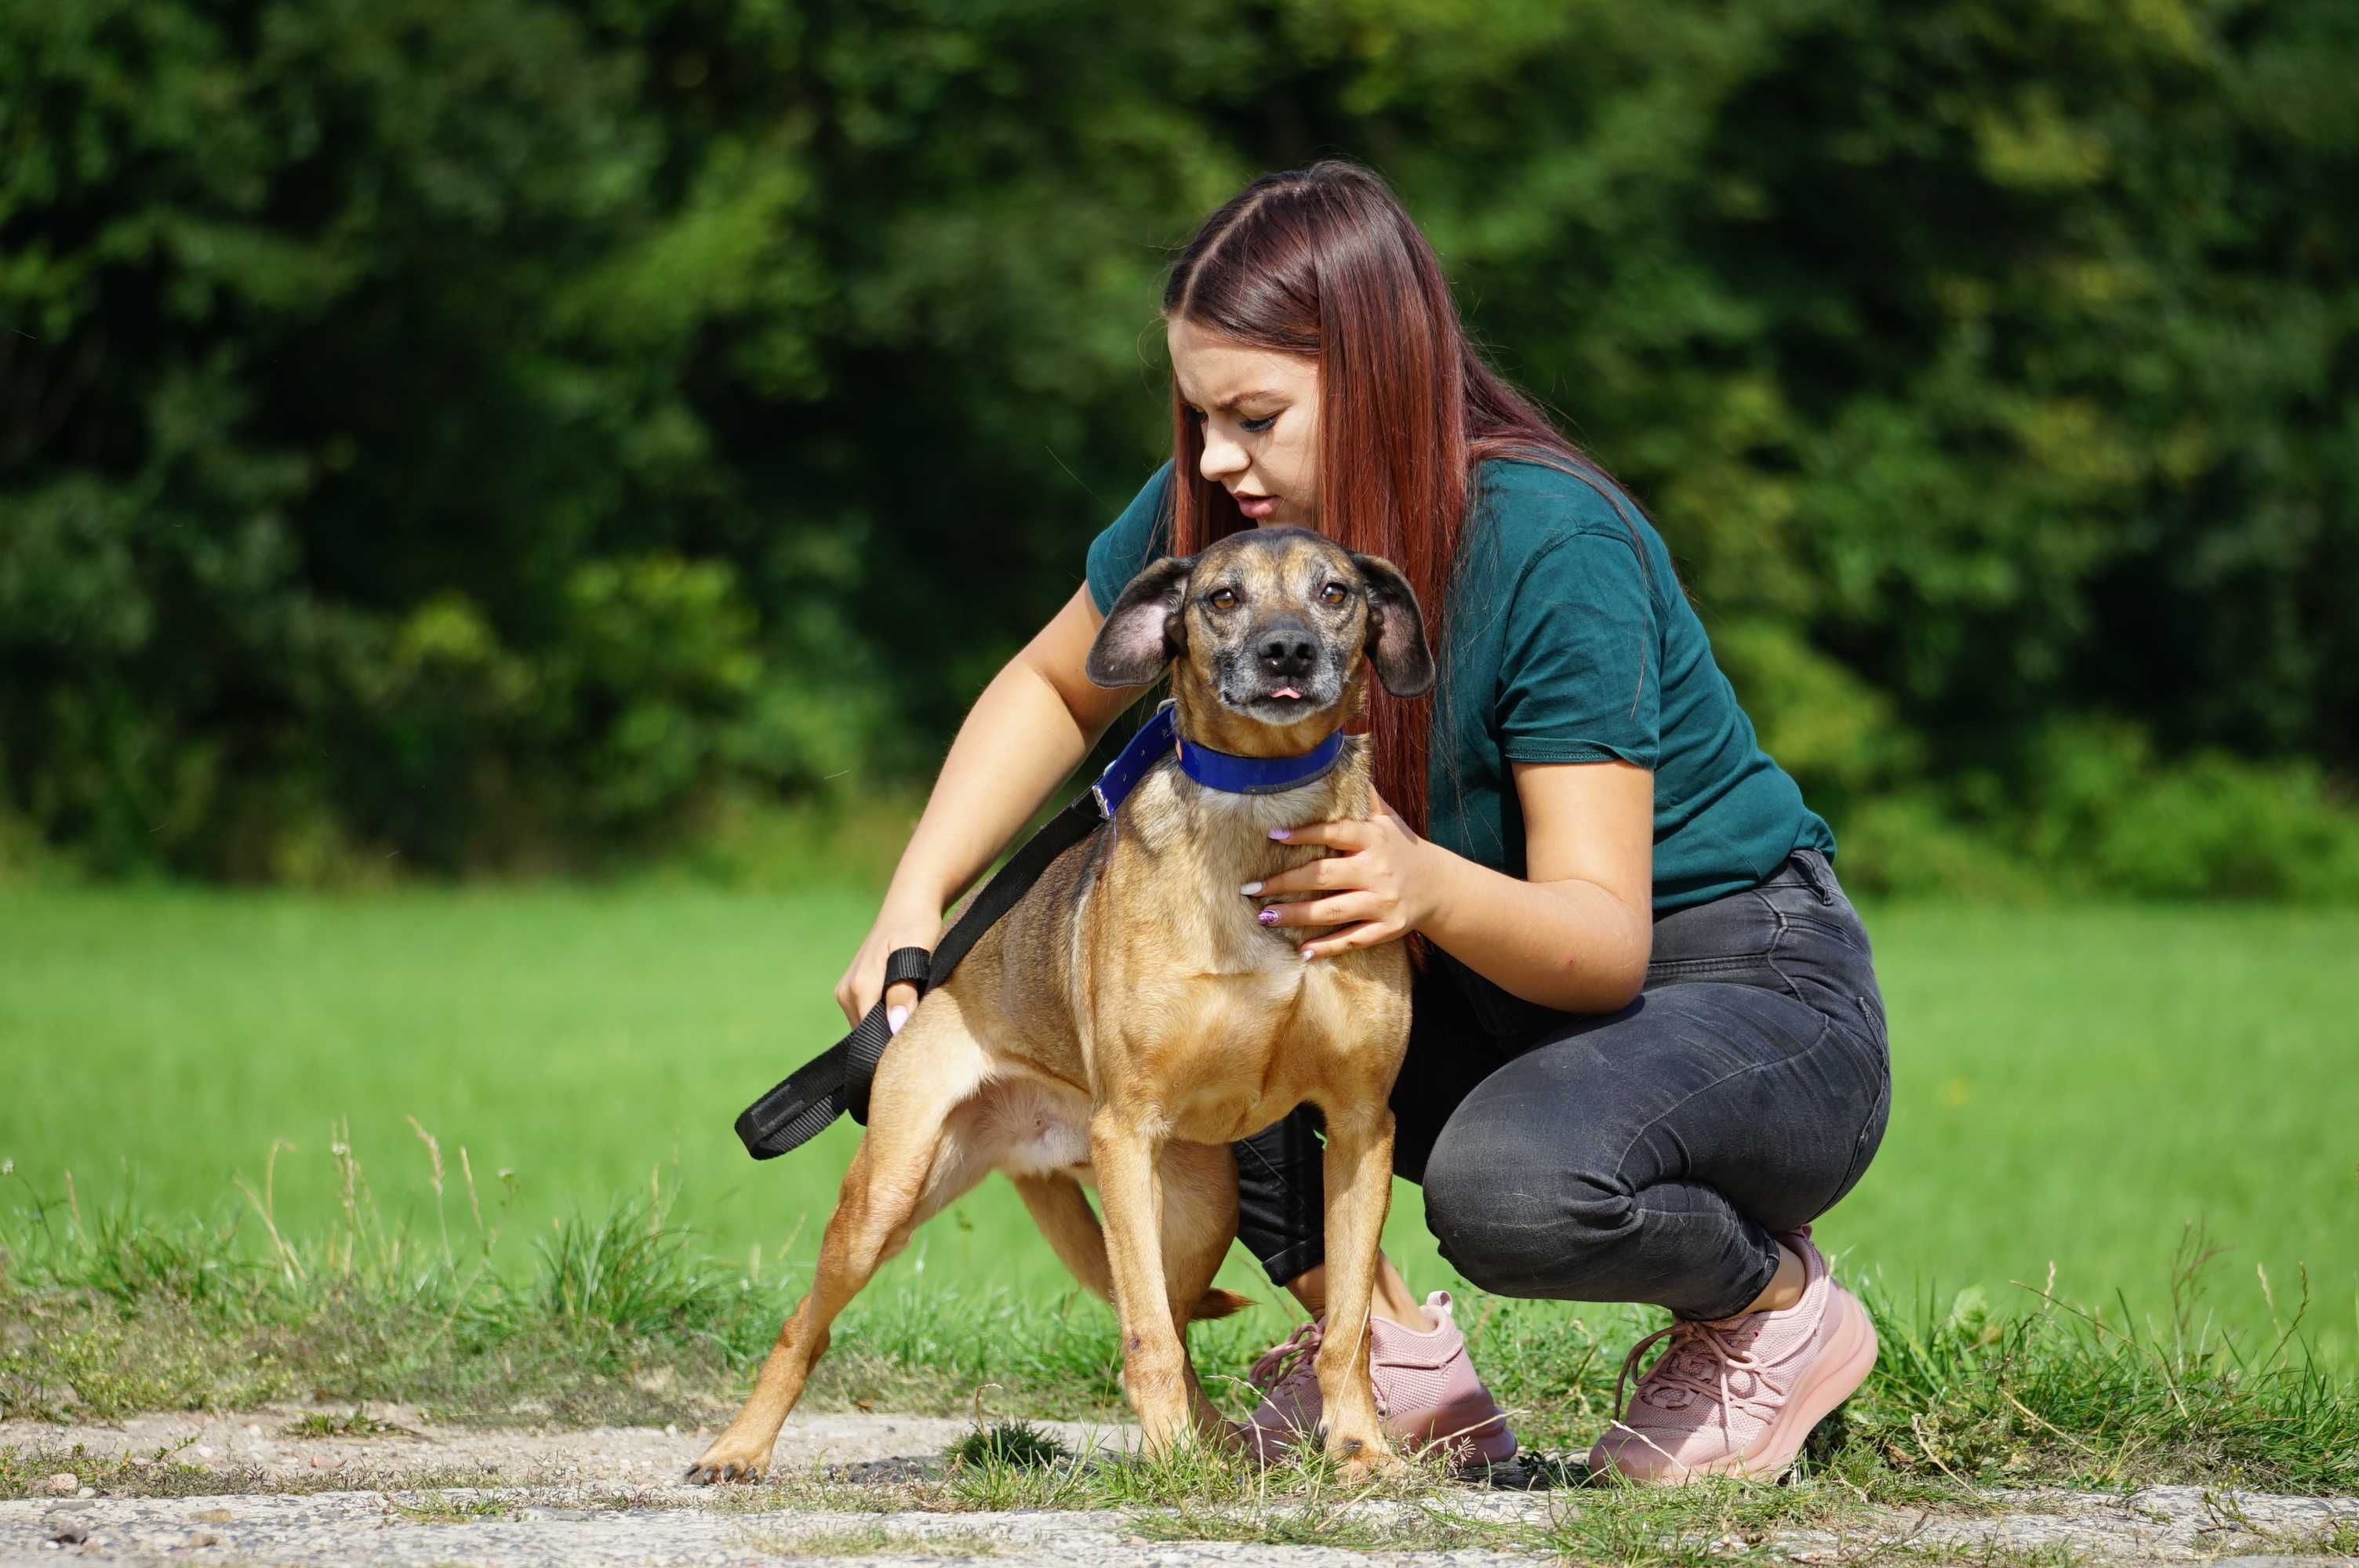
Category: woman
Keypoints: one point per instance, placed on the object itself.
(1648, 1046)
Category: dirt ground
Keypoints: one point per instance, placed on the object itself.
(408, 1492)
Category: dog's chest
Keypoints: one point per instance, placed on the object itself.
(1256, 1045)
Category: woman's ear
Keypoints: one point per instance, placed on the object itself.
(1396, 629)
(1145, 630)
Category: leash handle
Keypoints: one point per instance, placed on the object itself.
(836, 1080)
(869, 1039)
(911, 966)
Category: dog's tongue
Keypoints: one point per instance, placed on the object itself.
(1286, 691)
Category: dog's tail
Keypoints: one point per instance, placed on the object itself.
(1063, 1213)
(1217, 1304)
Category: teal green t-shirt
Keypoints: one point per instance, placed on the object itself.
(1568, 641)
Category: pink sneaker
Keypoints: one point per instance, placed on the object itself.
(1736, 1396)
(1425, 1384)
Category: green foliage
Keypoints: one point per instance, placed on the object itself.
(479, 437)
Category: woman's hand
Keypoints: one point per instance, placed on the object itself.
(901, 923)
(1378, 887)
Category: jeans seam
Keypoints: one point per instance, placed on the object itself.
(1826, 1032)
(1777, 945)
(1688, 1217)
(1857, 1165)
(1714, 964)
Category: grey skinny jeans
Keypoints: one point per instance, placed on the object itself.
(1645, 1156)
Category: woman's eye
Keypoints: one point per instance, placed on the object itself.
(1334, 593)
(1255, 427)
(1222, 598)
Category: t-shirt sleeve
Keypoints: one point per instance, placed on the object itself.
(1124, 547)
(1578, 677)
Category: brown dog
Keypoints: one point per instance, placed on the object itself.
(1129, 1017)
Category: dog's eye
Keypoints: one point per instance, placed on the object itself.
(1334, 593)
(1222, 598)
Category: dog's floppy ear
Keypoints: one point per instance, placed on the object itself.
(1145, 630)
(1396, 629)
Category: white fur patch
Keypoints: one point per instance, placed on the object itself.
(1031, 1131)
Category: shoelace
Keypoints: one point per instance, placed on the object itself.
(1285, 1361)
(1700, 1356)
(1295, 1361)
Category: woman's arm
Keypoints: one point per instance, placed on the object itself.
(1030, 728)
(1574, 935)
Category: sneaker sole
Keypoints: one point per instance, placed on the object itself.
(1473, 1437)
(1844, 1366)
(1838, 1374)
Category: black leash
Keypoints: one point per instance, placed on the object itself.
(837, 1079)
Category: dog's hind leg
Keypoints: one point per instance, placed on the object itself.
(907, 1168)
(1359, 1171)
(1058, 1207)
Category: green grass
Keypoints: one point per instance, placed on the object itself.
(273, 1146)
(2072, 1086)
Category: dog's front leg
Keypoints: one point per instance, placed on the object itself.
(1359, 1169)
(1153, 1357)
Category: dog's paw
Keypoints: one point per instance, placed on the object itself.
(1362, 1460)
(727, 1461)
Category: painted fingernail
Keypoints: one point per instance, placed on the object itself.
(1281, 832)
(894, 1018)
(1249, 888)
(1267, 917)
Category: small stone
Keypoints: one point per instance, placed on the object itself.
(87, 1492)
(670, 1430)
(204, 1537)
(252, 1429)
(216, 1515)
(203, 1451)
(325, 1461)
(69, 1533)
(63, 1483)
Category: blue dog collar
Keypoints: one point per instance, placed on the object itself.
(1257, 775)
(1221, 771)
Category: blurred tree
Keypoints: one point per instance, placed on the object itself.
(484, 432)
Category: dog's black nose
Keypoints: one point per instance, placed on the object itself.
(1287, 652)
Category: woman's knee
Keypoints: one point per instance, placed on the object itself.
(1522, 1211)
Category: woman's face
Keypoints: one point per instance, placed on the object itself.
(1259, 410)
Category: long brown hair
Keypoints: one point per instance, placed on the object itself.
(1324, 263)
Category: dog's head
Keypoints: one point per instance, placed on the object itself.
(1267, 630)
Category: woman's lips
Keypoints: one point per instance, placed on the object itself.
(1256, 507)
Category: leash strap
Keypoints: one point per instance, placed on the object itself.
(836, 1080)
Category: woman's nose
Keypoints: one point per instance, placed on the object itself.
(1222, 456)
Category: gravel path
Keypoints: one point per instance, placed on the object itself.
(427, 1495)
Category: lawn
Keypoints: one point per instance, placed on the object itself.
(2072, 1086)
